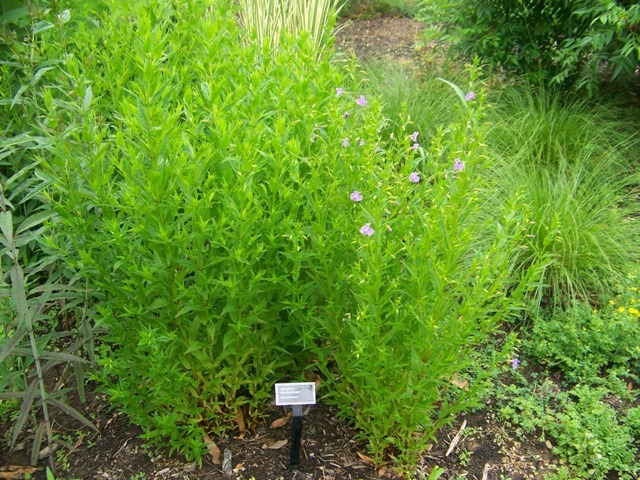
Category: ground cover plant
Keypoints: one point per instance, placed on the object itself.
(592, 420)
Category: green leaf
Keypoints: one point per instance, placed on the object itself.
(42, 26)
(71, 411)
(64, 16)
(88, 97)
(6, 225)
(456, 89)
(33, 220)
(15, 14)
(37, 442)
(8, 347)
(62, 357)
(25, 408)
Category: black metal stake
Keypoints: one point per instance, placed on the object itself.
(296, 437)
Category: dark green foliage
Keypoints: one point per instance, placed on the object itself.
(569, 42)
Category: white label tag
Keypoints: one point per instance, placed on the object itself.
(296, 393)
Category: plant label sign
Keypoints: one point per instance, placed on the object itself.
(296, 393)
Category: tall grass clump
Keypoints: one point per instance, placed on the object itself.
(240, 219)
(269, 19)
(573, 165)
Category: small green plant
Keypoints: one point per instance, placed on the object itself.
(582, 341)
(585, 430)
(464, 457)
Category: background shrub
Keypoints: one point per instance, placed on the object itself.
(566, 42)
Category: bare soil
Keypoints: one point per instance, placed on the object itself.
(485, 450)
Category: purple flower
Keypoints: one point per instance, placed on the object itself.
(361, 101)
(345, 142)
(470, 96)
(414, 136)
(458, 165)
(414, 177)
(378, 149)
(515, 363)
(356, 196)
(415, 147)
(361, 142)
(339, 91)
(366, 230)
(345, 115)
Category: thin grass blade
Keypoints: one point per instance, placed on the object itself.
(71, 411)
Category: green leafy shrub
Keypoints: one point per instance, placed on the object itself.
(565, 42)
(29, 348)
(240, 217)
(187, 192)
(428, 287)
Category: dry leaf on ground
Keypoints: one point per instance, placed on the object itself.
(281, 422)
(365, 458)
(11, 472)
(214, 451)
(240, 421)
(275, 445)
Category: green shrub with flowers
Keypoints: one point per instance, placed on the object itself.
(239, 218)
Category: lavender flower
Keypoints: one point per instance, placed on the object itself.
(458, 165)
(414, 137)
(470, 96)
(515, 363)
(414, 177)
(339, 91)
(361, 101)
(415, 147)
(356, 196)
(345, 115)
(345, 142)
(361, 142)
(366, 230)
